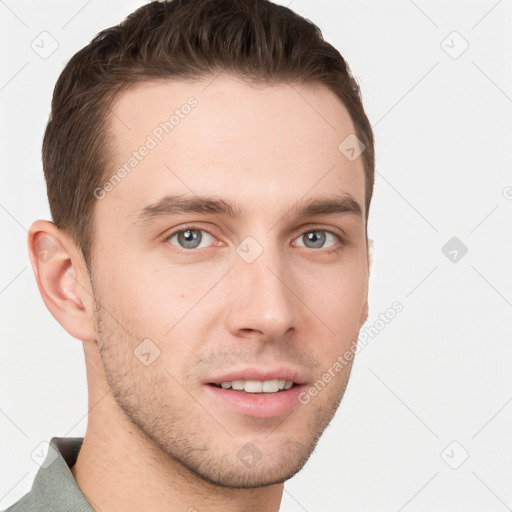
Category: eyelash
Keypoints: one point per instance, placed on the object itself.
(331, 250)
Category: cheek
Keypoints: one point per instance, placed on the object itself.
(129, 280)
(338, 299)
(339, 292)
(166, 305)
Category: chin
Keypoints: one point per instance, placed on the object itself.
(271, 469)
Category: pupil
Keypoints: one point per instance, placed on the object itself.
(316, 237)
(190, 238)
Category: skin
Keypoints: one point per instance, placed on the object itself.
(155, 439)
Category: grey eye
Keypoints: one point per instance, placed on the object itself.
(189, 238)
(317, 238)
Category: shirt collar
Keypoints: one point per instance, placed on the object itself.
(54, 484)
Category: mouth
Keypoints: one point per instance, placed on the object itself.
(257, 386)
(257, 393)
(254, 403)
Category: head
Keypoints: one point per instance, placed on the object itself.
(209, 168)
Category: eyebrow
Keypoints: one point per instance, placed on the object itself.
(176, 204)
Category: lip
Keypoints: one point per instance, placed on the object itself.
(261, 374)
(257, 405)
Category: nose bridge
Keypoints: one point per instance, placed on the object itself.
(262, 299)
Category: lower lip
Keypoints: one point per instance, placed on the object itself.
(258, 405)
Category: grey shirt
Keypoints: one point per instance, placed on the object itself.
(54, 488)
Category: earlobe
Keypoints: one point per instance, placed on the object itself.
(371, 247)
(364, 314)
(61, 278)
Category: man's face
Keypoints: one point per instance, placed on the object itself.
(265, 295)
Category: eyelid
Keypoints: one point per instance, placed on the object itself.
(177, 229)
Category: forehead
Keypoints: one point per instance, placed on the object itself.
(271, 144)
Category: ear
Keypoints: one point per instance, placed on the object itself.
(364, 313)
(62, 279)
(371, 248)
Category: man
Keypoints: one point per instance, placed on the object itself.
(209, 169)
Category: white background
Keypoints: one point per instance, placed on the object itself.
(440, 371)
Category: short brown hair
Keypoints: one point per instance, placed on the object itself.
(178, 39)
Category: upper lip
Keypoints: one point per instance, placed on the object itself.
(261, 374)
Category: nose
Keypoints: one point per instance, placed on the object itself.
(262, 300)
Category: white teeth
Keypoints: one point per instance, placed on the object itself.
(252, 386)
(237, 384)
(270, 386)
(257, 386)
